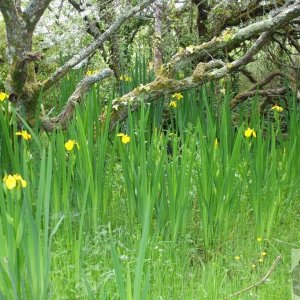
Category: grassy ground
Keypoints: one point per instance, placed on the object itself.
(180, 270)
(170, 214)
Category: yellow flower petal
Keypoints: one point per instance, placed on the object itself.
(125, 78)
(24, 134)
(177, 96)
(3, 96)
(69, 145)
(277, 108)
(10, 181)
(249, 132)
(125, 139)
(18, 176)
(23, 183)
(173, 104)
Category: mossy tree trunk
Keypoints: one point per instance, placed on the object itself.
(22, 83)
(20, 22)
(20, 25)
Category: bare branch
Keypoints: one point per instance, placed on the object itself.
(208, 49)
(265, 93)
(249, 75)
(244, 71)
(255, 89)
(260, 282)
(266, 80)
(294, 43)
(93, 47)
(204, 72)
(18, 6)
(256, 47)
(228, 14)
(92, 28)
(34, 11)
(63, 118)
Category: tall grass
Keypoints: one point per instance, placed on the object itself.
(201, 177)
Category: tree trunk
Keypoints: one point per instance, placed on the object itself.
(20, 25)
(202, 13)
(158, 52)
(114, 61)
(21, 82)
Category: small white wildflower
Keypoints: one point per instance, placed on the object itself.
(124, 257)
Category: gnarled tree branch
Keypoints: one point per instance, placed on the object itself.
(264, 93)
(93, 47)
(34, 11)
(63, 118)
(206, 50)
(256, 89)
(204, 72)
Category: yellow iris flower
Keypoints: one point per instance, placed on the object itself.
(3, 96)
(277, 107)
(124, 138)
(250, 132)
(173, 104)
(11, 181)
(177, 96)
(125, 78)
(24, 134)
(69, 145)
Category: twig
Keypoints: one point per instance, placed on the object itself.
(262, 281)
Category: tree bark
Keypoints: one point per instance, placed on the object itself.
(202, 14)
(20, 25)
(214, 69)
(63, 70)
(21, 82)
(94, 29)
(158, 27)
(63, 118)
